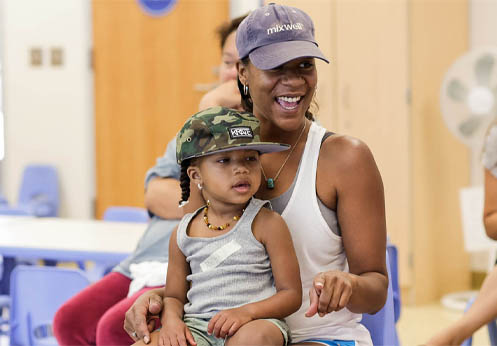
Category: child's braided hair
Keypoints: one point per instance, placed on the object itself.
(184, 182)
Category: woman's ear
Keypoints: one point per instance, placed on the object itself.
(242, 72)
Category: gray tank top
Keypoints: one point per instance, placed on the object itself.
(227, 271)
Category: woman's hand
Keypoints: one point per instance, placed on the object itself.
(141, 316)
(227, 322)
(331, 291)
(175, 333)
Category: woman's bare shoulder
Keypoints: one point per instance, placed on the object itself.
(343, 153)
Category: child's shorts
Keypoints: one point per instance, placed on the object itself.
(198, 327)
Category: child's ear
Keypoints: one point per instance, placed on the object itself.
(194, 174)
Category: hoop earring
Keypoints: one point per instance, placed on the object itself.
(245, 89)
(199, 186)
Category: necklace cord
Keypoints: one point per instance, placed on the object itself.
(273, 180)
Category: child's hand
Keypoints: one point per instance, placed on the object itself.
(175, 333)
(227, 322)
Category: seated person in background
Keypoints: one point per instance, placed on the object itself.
(484, 308)
(95, 315)
(225, 94)
(223, 257)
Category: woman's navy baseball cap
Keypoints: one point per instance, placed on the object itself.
(276, 34)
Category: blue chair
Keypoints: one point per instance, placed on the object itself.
(4, 305)
(394, 274)
(381, 325)
(126, 214)
(38, 195)
(37, 293)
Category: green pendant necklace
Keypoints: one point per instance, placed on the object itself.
(270, 182)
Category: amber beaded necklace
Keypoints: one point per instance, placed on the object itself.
(218, 228)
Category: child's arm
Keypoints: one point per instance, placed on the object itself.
(174, 331)
(271, 230)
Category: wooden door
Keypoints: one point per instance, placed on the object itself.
(145, 72)
(372, 102)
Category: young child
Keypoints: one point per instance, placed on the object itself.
(233, 274)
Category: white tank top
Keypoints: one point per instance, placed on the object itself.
(318, 249)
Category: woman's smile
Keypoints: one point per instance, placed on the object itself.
(288, 102)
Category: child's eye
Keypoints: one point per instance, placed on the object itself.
(223, 160)
(251, 158)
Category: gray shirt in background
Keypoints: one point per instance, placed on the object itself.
(154, 243)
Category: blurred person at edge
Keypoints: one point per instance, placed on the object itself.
(484, 308)
(95, 315)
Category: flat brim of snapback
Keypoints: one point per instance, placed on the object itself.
(261, 147)
(276, 54)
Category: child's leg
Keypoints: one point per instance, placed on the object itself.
(197, 327)
(260, 332)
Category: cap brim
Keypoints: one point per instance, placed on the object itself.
(261, 147)
(277, 54)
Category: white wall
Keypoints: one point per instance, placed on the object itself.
(49, 109)
(483, 15)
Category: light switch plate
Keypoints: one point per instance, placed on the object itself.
(57, 56)
(35, 56)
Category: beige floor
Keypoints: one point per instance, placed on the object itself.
(418, 324)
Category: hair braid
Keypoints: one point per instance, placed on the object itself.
(184, 182)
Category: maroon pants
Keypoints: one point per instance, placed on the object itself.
(95, 316)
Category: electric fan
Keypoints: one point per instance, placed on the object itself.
(468, 97)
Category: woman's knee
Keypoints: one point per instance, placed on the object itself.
(110, 328)
(66, 327)
(258, 332)
(75, 322)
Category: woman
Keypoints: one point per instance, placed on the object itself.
(327, 187)
(484, 308)
(95, 315)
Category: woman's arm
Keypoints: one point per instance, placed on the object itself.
(225, 94)
(271, 230)
(162, 196)
(348, 180)
(490, 206)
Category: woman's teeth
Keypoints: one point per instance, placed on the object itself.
(288, 102)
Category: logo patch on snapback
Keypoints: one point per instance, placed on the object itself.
(240, 132)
